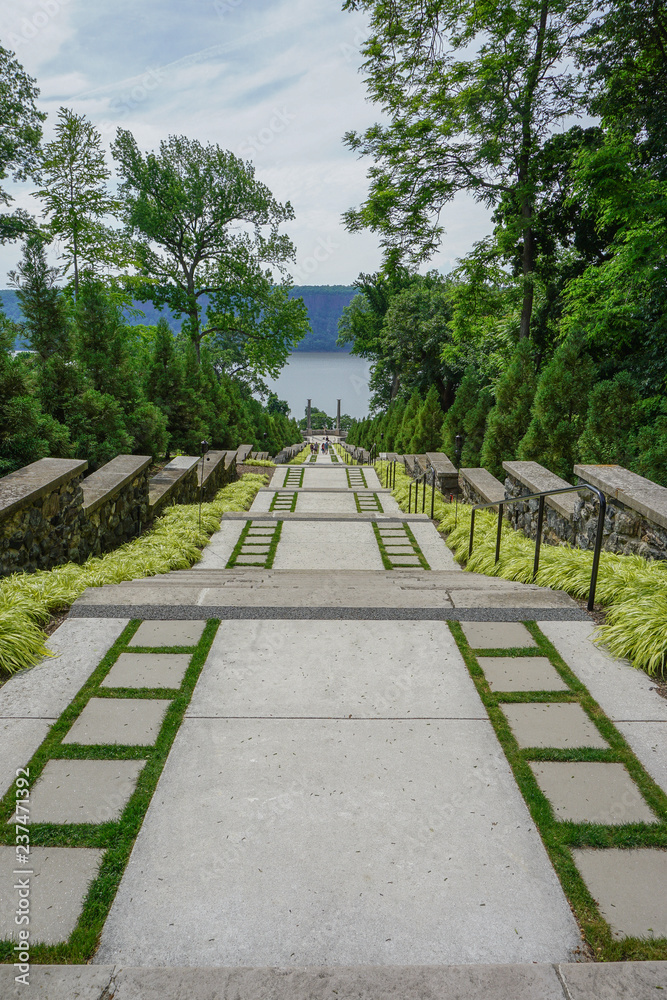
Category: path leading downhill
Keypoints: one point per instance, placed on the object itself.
(336, 804)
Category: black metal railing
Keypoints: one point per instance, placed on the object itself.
(422, 479)
(540, 521)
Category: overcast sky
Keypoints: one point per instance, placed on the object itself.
(275, 81)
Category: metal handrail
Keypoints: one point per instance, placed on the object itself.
(540, 520)
(415, 483)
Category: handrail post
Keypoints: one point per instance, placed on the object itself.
(598, 548)
(472, 532)
(424, 494)
(410, 499)
(538, 539)
(498, 533)
(433, 495)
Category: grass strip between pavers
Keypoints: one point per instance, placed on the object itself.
(560, 837)
(115, 837)
(267, 561)
(282, 498)
(356, 473)
(386, 556)
(377, 506)
(293, 479)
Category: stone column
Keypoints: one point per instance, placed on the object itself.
(338, 419)
(309, 429)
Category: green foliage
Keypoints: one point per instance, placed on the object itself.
(428, 427)
(465, 400)
(174, 542)
(45, 324)
(608, 434)
(559, 409)
(21, 130)
(74, 175)
(407, 429)
(474, 429)
(508, 421)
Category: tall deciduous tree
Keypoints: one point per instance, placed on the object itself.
(472, 91)
(76, 197)
(20, 135)
(208, 228)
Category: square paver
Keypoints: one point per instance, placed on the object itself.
(559, 725)
(521, 673)
(629, 888)
(168, 633)
(148, 670)
(497, 635)
(592, 793)
(57, 887)
(125, 721)
(83, 791)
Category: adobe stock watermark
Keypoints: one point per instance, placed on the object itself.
(279, 121)
(33, 24)
(323, 250)
(352, 51)
(143, 87)
(225, 7)
(22, 873)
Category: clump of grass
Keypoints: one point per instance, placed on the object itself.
(175, 541)
(261, 462)
(632, 589)
(301, 457)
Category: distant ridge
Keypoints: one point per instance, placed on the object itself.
(325, 304)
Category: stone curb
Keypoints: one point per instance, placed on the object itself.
(194, 611)
(629, 980)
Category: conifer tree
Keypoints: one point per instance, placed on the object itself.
(407, 428)
(559, 409)
(464, 400)
(509, 418)
(428, 428)
(607, 437)
(474, 427)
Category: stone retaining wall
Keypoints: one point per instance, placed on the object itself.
(479, 486)
(115, 503)
(524, 478)
(175, 483)
(42, 523)
(636, 516)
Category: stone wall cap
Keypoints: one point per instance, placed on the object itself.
(242, 452)
(172, 473)
(538, 479)
(636, 492)
(439, 461)
(212, 460)
(23, 487)
(106, 482)
(484, 483)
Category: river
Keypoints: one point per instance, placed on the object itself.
(324, 377)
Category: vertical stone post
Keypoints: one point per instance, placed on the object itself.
(338, 419)
(309, 429)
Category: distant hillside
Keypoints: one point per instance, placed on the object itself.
(325, 304)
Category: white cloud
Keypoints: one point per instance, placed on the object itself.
(276, 82)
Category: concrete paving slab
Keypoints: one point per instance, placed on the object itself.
(592, 793)
(324, 478)
(124, 721)
(614, 980)
(19, 739)
(434, 547)
(148, 670)
(83, 791)
(649, 742)
(57, 889)
(326, 503)
(462, 982)
(262, 502)
(327, 545)
(629, 888)
(46, 689)
(521, 673)
(542, 598)
(497, 635)
(337, 843)
(168, 633)
(305, 669)
(57, 982)
(216, 554)
(559, 725)
(623, 692)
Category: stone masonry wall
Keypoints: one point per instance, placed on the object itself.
(118, 519)
(523, 516)
(47, 531)
(625, 531)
